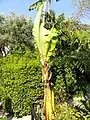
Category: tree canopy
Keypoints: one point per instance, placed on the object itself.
(16, 32)
(83, 8)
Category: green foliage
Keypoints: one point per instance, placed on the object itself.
(16, 32)
(20, 82)
(3, 119)
(64, 112)
(20, 74)
(70, 67)
(68, 52)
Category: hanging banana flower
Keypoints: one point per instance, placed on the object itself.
(46, 41)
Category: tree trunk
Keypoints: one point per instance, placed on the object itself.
(48, 96)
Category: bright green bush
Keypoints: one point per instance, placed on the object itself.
(3, 119)
(64, 112)
(20, 82)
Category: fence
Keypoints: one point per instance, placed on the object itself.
(38, 115)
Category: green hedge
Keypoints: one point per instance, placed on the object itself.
(20, 82)
(3, 119)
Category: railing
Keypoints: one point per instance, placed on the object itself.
(38, 114)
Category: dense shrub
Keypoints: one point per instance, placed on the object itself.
(20, 82)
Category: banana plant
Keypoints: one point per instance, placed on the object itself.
(46, 41)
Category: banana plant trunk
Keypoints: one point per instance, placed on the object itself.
(48, 93)
(48, 107)
(46, 41)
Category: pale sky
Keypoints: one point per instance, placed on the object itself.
(21, 7)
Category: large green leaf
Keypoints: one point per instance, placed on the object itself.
(45, 39)
(36, 28)
(48, 41)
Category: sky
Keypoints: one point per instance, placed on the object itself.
(20, 7)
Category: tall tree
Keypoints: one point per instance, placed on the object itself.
(83, 8)
(15, 33)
